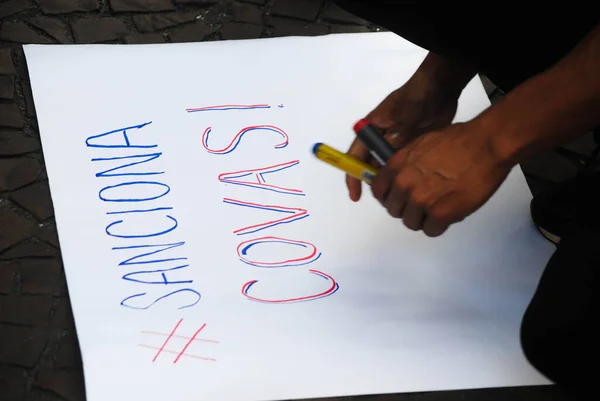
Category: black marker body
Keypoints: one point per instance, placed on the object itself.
(376, 143)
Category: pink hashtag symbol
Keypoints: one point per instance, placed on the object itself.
(182, 352)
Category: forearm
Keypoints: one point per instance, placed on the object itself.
(549, 109)
(450, 74)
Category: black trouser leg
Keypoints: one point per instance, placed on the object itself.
(508, 43)
(416, 23)
(560, 334)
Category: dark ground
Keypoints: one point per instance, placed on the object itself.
(39, 355)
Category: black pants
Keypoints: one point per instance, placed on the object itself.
(559, 333)
(508, 45)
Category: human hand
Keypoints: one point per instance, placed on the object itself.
(419, 106)
(440, 178)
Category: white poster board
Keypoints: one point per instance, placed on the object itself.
(202, 265)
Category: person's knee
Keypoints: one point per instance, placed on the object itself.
(560, 352)
(535, 344)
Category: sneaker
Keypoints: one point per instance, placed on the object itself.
(569, 205)
(553, 211)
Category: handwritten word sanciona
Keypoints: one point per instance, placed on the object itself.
(134, 192)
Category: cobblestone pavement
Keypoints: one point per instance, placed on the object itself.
(39, 355)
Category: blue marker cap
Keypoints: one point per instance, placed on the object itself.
(316, 147)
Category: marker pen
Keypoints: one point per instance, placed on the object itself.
(344, 162)
(374, 141)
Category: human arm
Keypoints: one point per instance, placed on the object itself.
(445, 175)
(449, 74)
(551, 108)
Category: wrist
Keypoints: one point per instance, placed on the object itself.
(519, 126)
(449, 75)
(538, 116)
(550, 108)
(503, 139)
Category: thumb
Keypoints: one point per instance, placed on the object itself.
(399, 136)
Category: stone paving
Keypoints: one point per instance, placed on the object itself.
(39, 355)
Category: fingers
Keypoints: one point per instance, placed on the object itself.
(394, 138)
(385, 186)
(382, 184)
(414, 216)
(400, 201)
(354, 188)
(395, 203)
(433, 227)
(355, 185)
(406, 194)
(401, 135)
(397, 136)
(358, 151)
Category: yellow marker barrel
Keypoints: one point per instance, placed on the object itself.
(344, 162)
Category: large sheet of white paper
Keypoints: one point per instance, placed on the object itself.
(210, 256)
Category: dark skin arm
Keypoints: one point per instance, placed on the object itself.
(445, 175)
(567, 104)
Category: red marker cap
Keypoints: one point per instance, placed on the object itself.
(360, 125)
(373, 140)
